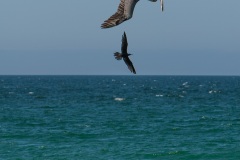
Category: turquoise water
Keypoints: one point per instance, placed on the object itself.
(119, 117)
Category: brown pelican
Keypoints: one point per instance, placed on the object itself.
(125, 54)
(124, 12)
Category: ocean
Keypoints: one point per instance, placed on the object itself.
(120, 117)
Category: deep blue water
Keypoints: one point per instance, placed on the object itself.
(120, 117)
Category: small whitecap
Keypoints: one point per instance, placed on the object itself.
(30, 92)
(153, 88)
(173, 152)
(159, 95)
(185, 83)
(213, 91)
(87, 126)
(113, 80)
(124, 84)
(41, 147)
(119, 99)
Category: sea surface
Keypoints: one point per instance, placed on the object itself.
(119, 117)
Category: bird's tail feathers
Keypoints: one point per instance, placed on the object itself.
(118, 55)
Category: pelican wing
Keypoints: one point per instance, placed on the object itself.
(129, 64)
(124, 43)
(124, 12)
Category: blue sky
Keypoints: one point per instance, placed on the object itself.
(64, 37)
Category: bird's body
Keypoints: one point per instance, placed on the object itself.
(124, 12)
(124, 55)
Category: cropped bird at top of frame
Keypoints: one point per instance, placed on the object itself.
(124, 12)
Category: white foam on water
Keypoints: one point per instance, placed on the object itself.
(119, 99)
(203, 117)
(83, 125)
(159, 95)
(153, 88)
(30, 92)
(213, 91)
(173, 152)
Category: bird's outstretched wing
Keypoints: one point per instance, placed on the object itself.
(129, 64)
(124, 43)
(124, 12)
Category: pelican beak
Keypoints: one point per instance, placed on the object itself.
(162, 6)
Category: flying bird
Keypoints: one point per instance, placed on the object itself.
(124, 12)
(124, 55)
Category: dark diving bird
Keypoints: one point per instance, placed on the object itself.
(124, 12)
(124, 55)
